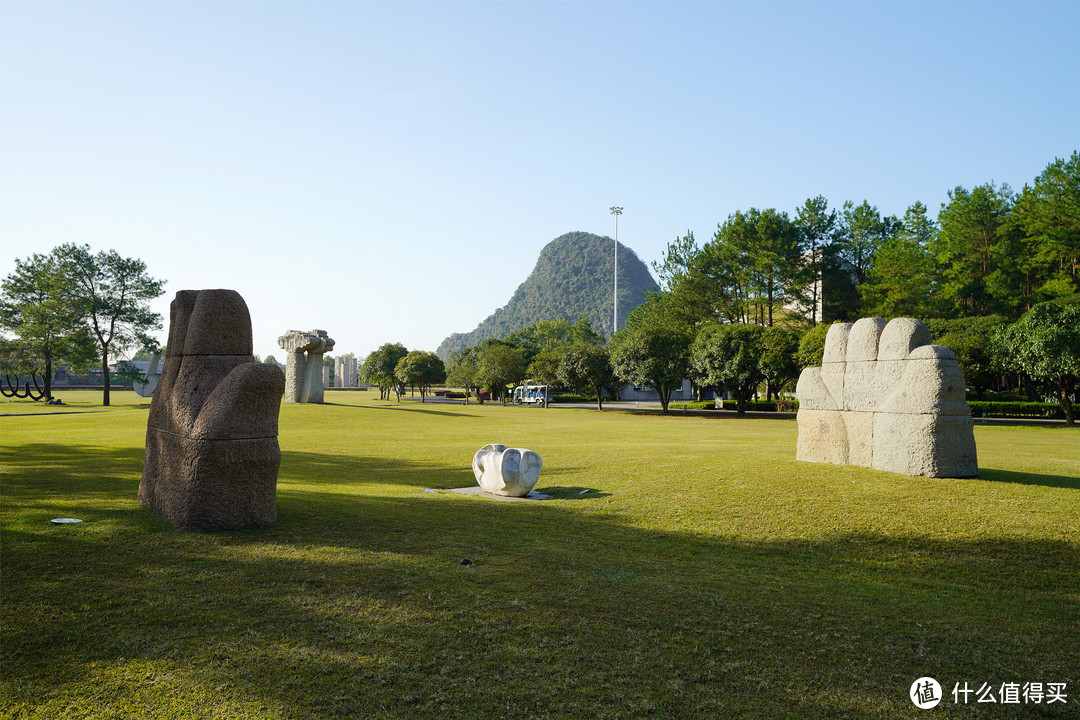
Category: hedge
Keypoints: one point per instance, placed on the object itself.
(993, 408)
(752, 405)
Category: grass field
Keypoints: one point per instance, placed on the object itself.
(705, 574)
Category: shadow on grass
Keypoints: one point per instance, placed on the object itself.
(1008, 476)
(573, 493)
(420, 408)
(357, 605)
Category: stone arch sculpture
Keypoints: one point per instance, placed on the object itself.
(885, 398)
(212, 452)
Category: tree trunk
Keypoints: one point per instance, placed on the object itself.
(1066, 403)
(48, 377)
(105, 374)
(599, 399)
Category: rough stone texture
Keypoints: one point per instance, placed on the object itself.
(345, 372)
(212, 453)
(506, 471)
(884, 397)
(304, 364)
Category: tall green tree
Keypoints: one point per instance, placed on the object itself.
(902, 279)
(380, 369)
(817, 225)
(583, 332)
(862, 232)
(729, 357)
(1048, 215)
(975, 251)
(113, 294)
(779, 360)
(1045, 344)
(585, 365)
(37, 308)
(691, 291)
(655, 355)
(499, 366)
(754, 265)
(463, 372)
(544, 368)
(420, 370)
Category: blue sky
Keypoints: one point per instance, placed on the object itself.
(390, 171)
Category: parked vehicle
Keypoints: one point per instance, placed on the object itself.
(529, 394)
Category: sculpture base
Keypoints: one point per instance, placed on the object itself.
(479, 491)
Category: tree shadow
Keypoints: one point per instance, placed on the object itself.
(356, 604)
(573, 493)
(1009, 476)
(420, 408)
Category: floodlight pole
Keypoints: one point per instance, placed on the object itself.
(616, 211)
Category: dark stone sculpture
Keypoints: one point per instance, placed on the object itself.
(212, 453)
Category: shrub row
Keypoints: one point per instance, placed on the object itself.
(576, 398)
(994, 408)
(787, 405)
(978, 407)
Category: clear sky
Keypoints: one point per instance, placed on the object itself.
(389, 172)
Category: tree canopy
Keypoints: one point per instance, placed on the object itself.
(656, 355)
(1045, 343)
(586, 365)
(499, 366)
(113, 295)
(729, 357)
(37, 308)
(421, 370)
(380, 368)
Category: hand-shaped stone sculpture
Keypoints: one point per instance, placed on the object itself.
(884, 397)
(212, 452)
(506, 471)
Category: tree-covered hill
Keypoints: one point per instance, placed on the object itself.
(572, 277)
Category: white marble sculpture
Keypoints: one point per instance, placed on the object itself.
(506, 471)
(885, 398)
(145, 388)
(304, 364)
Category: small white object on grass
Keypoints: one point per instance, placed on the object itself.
(65, 521)
(584, 491)
(430, 490)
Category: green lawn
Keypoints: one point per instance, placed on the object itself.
(705, 574)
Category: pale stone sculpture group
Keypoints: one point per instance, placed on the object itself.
(304, 364)
(345, 372)
(506, 471)
(885, 398)
(212, 452)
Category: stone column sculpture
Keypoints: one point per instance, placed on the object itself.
(345, 372)
(885, 398)
(304, 363)
(212, 452)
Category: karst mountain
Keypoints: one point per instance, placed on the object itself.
(572, 277)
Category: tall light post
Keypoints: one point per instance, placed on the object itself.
(616, 211)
